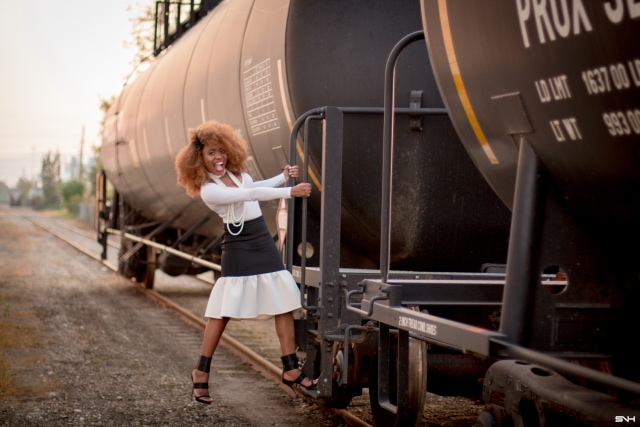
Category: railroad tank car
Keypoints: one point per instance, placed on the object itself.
(545, 97)
(519, 204)
(257, 65)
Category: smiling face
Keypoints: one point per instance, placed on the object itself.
(214, 157)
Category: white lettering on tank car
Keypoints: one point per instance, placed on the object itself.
(596, 80)
(571, 127)
(553, 19)
(622, 123)
(418, 325)
(259, 98)
(606, 78)
(615, 9)
(557, 130)
(634, 70)
(566, 128)
(619, 76)
(553, 89)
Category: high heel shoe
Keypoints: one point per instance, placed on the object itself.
(289, 363)
(204, 365)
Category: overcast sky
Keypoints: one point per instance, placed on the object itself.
(59, 58)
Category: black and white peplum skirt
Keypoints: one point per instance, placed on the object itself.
(254, 283)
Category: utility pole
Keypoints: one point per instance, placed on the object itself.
(33, 162)
(80, 169)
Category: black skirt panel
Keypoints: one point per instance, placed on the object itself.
(251, 252)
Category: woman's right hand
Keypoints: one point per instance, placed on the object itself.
(301, 190)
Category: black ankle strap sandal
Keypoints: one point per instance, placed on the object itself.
(204, 365)
(289, 363)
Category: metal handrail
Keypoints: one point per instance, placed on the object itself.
(387, 150)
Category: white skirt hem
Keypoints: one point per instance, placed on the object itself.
(257, 297)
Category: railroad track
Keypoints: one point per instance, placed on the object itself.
(198, 287)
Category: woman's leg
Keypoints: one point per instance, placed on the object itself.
(286, 334)
(212, 333)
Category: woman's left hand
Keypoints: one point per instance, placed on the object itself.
(290, 172)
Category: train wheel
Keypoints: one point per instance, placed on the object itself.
(417, 390)
(341, 395)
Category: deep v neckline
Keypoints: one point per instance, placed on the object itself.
(235, 179)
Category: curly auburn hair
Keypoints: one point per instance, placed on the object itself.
(189, 166)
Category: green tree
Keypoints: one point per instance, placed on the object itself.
(72, 194)
(71, 188)
(51, 181)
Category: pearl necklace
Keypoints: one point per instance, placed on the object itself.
(231, 214)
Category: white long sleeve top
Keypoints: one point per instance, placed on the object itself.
(219, 198)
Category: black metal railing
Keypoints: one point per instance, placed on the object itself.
(174, 18)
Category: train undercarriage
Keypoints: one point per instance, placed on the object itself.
(540, 348)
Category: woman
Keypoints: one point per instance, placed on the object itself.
(254, 283)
